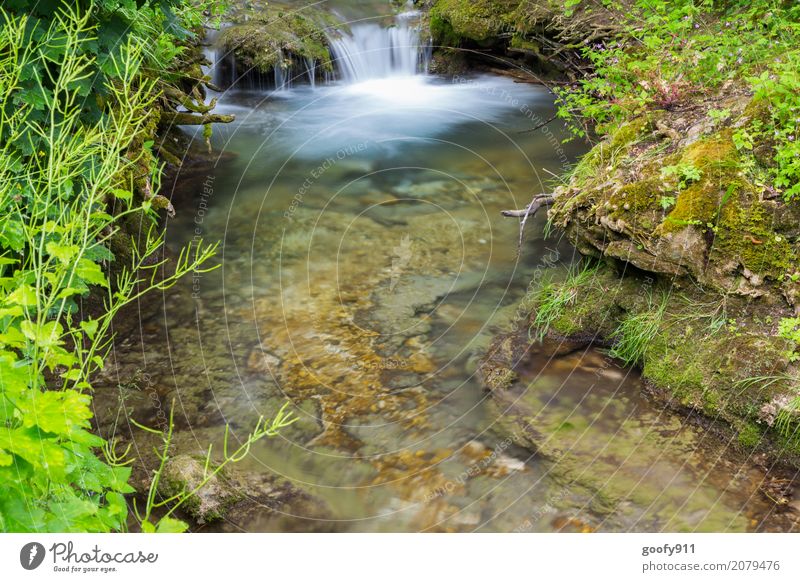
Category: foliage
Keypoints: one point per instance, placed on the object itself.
(686, 174)
(63, 195)
(789, 329)
(552, 299)
(669, 52)
(159, 28)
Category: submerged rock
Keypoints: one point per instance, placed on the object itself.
(233, 494)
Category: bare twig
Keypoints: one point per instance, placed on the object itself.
(538, 201)
(540, 126)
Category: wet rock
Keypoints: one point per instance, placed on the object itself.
(263, 362)
(183, 474)
(631, 252)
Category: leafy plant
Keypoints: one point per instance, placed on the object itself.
(789, 329)
(65, 187)
(686, 174)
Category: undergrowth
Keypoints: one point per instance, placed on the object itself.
(553, 298)
(77, 92)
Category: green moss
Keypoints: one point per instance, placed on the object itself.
(746, 234)
(477, 20)
(260, 39)
(749, 435)
(699, 204)
(670, 364)
(717, 151)
(638, 196)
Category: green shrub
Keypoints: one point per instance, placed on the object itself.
(62, 195)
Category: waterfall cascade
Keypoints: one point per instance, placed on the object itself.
(374, 52)
(365, 52)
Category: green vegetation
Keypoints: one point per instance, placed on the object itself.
(669, 54)
(181, 494)
(552, 299)
(636, 332)
(264, 35)
(81, 88)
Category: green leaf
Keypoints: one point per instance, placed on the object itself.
(125, 195)
(24, 295)
(171, 525)
(63, 253)
(62, 413)
(89, 326)
(42, 453)
(91, 273)
(14, 375)
(46, 335)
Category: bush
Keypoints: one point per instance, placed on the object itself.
(65, 185)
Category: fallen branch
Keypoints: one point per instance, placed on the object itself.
(538, 201)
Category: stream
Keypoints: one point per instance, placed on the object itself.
(364, 269)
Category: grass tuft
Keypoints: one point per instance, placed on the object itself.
(636, 332)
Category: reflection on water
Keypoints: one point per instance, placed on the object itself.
(364, 267)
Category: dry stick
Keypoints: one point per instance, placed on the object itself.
(538, 201)
(540, 126)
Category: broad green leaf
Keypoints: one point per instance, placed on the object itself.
(24, 295)
(91, 273)
(46, 335)
(64, 253)
(14, 375)
(43, 453)
(171, 525)
(62, 413)
(89, 326)
(12, 338)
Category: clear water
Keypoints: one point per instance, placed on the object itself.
(364, 268)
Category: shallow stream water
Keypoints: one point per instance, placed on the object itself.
(364, 268)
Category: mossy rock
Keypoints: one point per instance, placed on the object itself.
(184, 473)
(476, 20)
(262, 38)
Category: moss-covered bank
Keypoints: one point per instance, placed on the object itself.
(695, 256)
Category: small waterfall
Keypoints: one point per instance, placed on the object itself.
(311, 71)
(373, 52)
(211, 53)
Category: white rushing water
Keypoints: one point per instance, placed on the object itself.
(380, 93)
(370, 51)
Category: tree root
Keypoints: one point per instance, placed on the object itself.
(171, 118)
